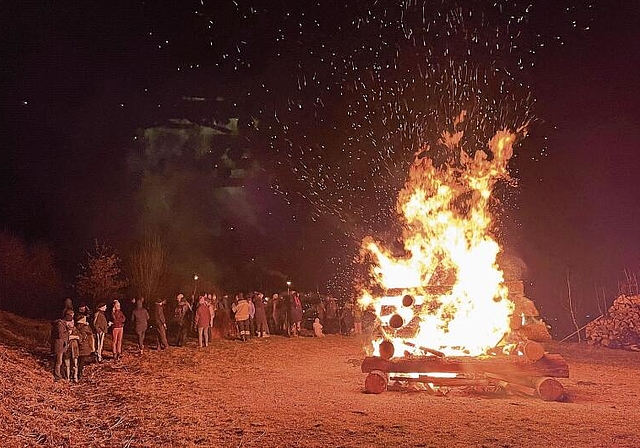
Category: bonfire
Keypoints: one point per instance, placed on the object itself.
(445, 297)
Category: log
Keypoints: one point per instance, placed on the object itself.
(510, 385)
(533, 350)
(440, 381)
(550, 365)
(376, 382)
(386, 349)
(431, 351)
(549, 389)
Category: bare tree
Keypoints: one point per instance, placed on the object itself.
(100, 276)
(148, 266)
(570, 306)
(628, 286)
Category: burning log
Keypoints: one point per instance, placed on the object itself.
(550, 365)
(534, 351)
(387, 349)
(513, 373)
(431, 351)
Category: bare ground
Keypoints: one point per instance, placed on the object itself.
(304, 392)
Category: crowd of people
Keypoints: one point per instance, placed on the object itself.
(78, 337)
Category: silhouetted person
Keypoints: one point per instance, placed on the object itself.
(140, 319)
(160, 322)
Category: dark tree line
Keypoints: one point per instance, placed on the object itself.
(29, 281)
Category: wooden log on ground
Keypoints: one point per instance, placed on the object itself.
(550, 365)
(533, 350)
(511, 385)
(440, 381)
(376, 382)
(549, 389)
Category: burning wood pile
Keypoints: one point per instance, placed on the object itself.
(620, 327)
(530, 372)
(445, 315)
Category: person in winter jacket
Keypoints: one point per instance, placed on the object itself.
(118, 330)
(86, 344)
(140, 319)
(100, 327)
(72, 353)
(159, 320)
(202, 321)
(241, 310)
(260, 316)
(295, 313)
(60, 341)
(181, 316)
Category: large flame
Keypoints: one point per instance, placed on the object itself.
(446, 292)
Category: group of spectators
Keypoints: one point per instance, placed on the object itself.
(78, 337)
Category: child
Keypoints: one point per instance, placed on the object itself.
(317, 328)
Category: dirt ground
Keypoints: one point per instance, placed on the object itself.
(299, 392)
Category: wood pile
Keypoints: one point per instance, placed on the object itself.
(620, 327)
(532, 373)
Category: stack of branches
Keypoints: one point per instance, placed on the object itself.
(620, 327)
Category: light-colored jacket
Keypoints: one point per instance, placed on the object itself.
(241, 309)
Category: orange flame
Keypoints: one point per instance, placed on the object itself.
(450, 293)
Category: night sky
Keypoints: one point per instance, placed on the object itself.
(335, 91)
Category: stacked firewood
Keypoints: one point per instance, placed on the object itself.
(532, 372)
(620, 327)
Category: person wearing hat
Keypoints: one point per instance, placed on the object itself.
(100, 327)
(86, 345)
(60, 341)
